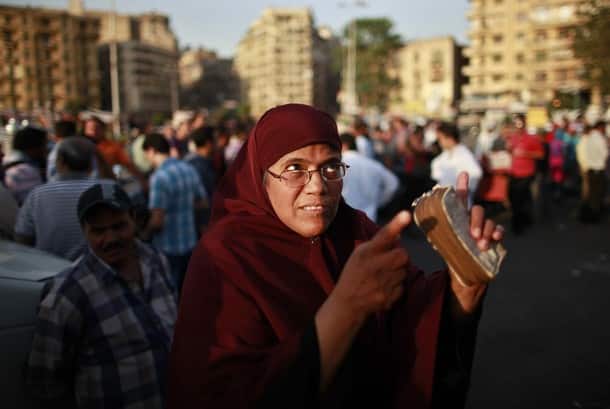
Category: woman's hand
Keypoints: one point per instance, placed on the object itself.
(465, 300)
(372, 278)
(371, 281)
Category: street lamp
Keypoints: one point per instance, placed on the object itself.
(114, 75)
(349, 103)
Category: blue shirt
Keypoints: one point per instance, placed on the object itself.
(174, 187)
(101, 340)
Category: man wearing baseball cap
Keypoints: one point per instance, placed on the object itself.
(105, 324)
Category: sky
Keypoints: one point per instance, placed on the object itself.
(219, 25)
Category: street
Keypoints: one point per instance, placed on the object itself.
(544, 337)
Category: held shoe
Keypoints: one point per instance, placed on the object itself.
(445, 220)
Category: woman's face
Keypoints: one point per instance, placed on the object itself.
(308, 210)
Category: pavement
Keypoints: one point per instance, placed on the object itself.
(544, 337)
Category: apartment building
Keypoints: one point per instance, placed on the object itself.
(520, 54)
(283, 59)
(59, 59)
(430, 77)
(147, 62)
(49, 59)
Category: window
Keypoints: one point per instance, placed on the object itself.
(564, 33)
(497, 77)
(497, 58)
(521, 16)
(520, 36)
(497, 38)
(519, 76)
(540, 35)
(540, 76)
(520, 58)
(561, 75)
(540, 56)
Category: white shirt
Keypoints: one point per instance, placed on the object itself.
(367, 183)
(592, 151)
(447, 166)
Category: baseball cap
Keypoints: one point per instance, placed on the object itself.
(109, 194)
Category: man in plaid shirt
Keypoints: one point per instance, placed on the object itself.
(105, 325)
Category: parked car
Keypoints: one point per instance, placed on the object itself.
(23, 272)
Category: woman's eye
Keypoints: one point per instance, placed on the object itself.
(293, 167)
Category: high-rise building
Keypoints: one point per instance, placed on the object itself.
(283, 59)
(59, 59)
(206, 80)
(520, 54)
(430, 77)
(49, 59)
(147, 62)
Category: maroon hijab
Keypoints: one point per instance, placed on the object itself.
(253, 285)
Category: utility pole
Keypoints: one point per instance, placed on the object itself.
(114, 75)
(349, 100)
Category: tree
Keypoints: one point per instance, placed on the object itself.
(376, 44)
(590, 43)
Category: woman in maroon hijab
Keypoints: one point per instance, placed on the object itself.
(295, 300)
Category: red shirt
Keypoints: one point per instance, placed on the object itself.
(523, 147)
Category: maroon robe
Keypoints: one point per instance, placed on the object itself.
(245, 335)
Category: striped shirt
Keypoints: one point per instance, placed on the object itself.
(174, 187)
(101, 342)
(49, 216)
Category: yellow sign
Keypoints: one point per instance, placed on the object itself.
(537, 117)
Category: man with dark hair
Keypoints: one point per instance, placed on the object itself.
(454, 159)
(592, 154)
(24, 166)
(201, 147)
(110, 152)
(63, 129)
(525, 149)
(47, 219)
(363, 140)
(175, 193)
(367, 184)
(105, 324)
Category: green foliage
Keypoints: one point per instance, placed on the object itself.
(376, 44)
(591, 43)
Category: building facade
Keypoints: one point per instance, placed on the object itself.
(282, 59)
(520, 54)
(206, 81)
(147, 62)
(59, 60)
(49, 59)
(429, 71)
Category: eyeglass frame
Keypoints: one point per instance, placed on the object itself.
(345, 166)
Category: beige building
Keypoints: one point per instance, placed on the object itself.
(429, 71)
(520, 54)
(49, 59)
(282, 59)
(58, 59)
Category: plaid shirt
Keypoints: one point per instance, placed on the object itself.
(175, 187)
(100, 342)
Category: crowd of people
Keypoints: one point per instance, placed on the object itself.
(281, 296)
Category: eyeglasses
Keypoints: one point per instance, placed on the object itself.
(331, 172)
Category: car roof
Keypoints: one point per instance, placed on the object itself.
(20, 262)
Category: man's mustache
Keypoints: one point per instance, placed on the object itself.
(115, 245)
